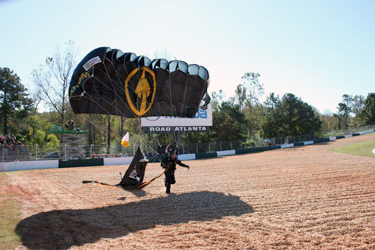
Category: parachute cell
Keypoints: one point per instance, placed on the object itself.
(108, 81)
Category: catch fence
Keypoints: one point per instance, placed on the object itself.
(65, 152)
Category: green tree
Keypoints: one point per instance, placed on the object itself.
(39, 137)
(249, 91)
(271, 101)
(344, 109)
(329, 122)
(367, 115)
(291, 116)
(247, 96)
(15, 104)
(217, 99)
(228, 122)
(52, 141)
(358, 104)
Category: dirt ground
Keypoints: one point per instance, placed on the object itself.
(304, 197)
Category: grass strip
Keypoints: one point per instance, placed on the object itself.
(9, 217)
(364, 148)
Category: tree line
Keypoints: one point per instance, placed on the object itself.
(240, 117)
(244, 117)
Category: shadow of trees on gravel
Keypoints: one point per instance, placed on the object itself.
(61, 229)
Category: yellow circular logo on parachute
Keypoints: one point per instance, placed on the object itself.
(143, 90)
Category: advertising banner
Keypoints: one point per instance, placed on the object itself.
(167, 124)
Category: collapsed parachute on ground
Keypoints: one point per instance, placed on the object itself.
(133, 177)
(136, 171)
(108, 81)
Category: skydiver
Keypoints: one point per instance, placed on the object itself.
(169, 164)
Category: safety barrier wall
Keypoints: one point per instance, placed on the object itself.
(226, 153)
(366, 132)
(255, 150)
(117, 161)
(321, 140)
(289, 145)
(205, 155)
(308, 143)
(28, 165)
(187, 157)
(81, 163)
(283, 146)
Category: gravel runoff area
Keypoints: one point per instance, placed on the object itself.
(304, 197)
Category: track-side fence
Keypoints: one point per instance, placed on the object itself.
(44, 152)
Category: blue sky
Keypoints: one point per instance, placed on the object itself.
(317, 50)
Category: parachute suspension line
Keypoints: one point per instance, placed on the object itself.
(93, 123)
(114, 90)
(113, 85)
(104, 100)
(110, 80)
(206, 96)
(93, 100)
(157, 141)
(178, 138)
(183, 102)
(107, 113)
(149, 148)
(173, 109)
(179, 135)
(206, 99)
(101, 98)
(111, 67)
(171, 103)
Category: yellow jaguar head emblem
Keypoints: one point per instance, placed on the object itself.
(143, 90)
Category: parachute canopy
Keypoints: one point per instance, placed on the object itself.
(108, 81)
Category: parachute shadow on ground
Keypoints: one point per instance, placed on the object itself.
(62, 229)
(137, 192)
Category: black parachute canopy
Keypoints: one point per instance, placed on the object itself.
(108, 81)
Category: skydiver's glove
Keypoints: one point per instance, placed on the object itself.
(187, 166)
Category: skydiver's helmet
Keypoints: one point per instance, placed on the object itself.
(166, 150)
(173, 153)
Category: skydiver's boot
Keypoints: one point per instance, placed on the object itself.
(168, 185)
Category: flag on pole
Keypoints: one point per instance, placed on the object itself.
(125, 140)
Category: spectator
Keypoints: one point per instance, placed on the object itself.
(71, 125)
(10, 142)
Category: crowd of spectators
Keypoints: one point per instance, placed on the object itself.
(9, 142)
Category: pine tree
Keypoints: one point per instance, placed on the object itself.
(367, 115)
(15, 103)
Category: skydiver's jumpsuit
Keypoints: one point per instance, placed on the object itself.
(170, 166)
